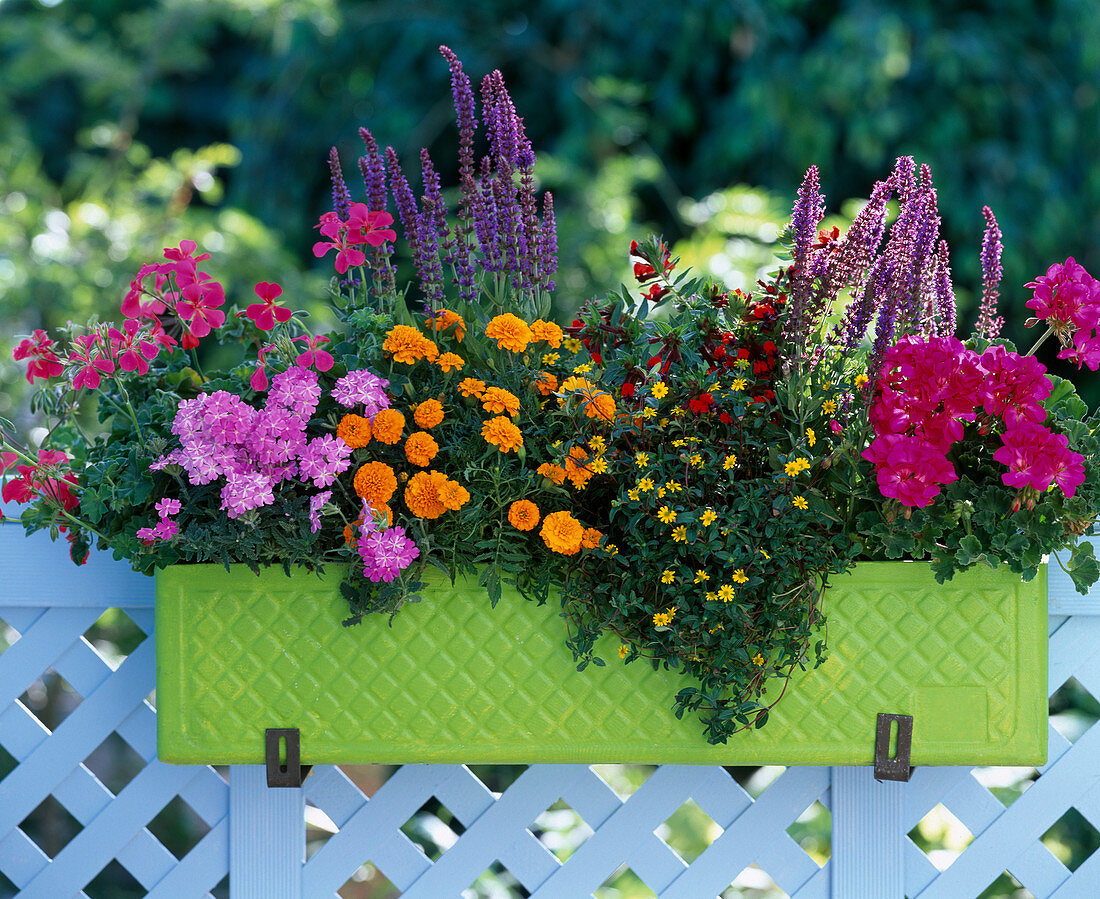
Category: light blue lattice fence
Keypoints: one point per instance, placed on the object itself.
(255, 838)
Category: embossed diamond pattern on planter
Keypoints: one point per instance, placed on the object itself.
(453, 680)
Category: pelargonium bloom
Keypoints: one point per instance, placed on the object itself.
(89, 367)
(265, 314)
(131, 348)
(321, 359)
(31, 482)
(909, 468)
(1014, 386)
(1037, 457)
(43, 361)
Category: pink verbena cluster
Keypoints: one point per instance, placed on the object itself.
(1067, 298)
(932, 386)
(166, 528)
(385, 551)
(255, 450)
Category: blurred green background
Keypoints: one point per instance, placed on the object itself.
(126, 126)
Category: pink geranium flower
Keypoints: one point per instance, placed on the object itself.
(909, 469)
(267, 313)
(90, 362)
(314, 357)
(365, 226)
(43, 361)
(131, 348)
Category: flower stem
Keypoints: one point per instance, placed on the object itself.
(1040, 341)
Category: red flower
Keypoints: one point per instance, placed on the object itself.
(725, 418)
(31, 483)
(701, 404)
(597, 358)
(44, 362)
(627, 389)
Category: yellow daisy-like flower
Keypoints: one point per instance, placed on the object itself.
(645, 485)
(623, 651)
(861, 380)
(641, 459)
(668, 576)
(582, 369)
(828, 407)
(725, 593)
(572, 344)
(661, 492)
(680, 534)
(611, 549)
(633, 494)
(711, 596)
(547, 332)
(795, 466)
(502, 433)
(717, 627)
(498, 400)
(708, 517)
(739, 576)
(758, 660)
(659, 390)
(664, 619)
(741, 363)
(701, 576)
(799, 502)
(729, 461)
(598, 443)
(673, 486)
(739, 384)
(811, 437)
(696, 460)
(666, 515)
(765, 555)
(471, 387)
(510, 332)
(450, 360)
(428, 414)
(679, 443)
(649, 412)
(523, 514)
(598, 465)
(550, 358)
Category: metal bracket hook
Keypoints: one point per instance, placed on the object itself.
(293, 772)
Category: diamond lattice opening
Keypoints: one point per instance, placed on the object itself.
(50, 826)
(8, 635)
(812, 830)
(495, 882)
(114, 762)
(1006, 885)
(51, 699)
(7, 763)
(561, 830)
(7, 888)
(1073, 710)
(755, 882)
(114, 882)
(114, 635)
(368, 883)
(319, 829)
(1007, 784)
(623, 884)
(755, 781)
(688, 831)
(1072, 839)
(941, 836)
(434, 828)
(221, 891)
(624, 779)
(497, 778)
(178, 827)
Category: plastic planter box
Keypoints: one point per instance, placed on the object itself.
(455, 681)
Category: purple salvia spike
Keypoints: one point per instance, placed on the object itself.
(486, 226)
(922, 251)
(944, 291)
(373, 169)
(807, 213)
(465, 111)
(427, 262)
(433, 193)
(341, 199)
(504, 199)
(903, 177)
(989, 323)
(548, 245)
(860, 312)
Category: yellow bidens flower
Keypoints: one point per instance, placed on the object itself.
(354, 430)
(550, 358)
(431, 493)
(668, 576)
(387, 426)
(739, 384)
(725, 593)
(582, 369)
(450, 360)
(680, 534)
(645, 485)
(659, 390)
(623, 651)
(572, 344)
(729, 461)
(633, 494)
(739, 576)
(711, 596)
(708, 517)
(799, 502)
(861, 380)
(649, 412)
(408, 345)
(443, 320)
(562, 533)
(421, 448)
(428, 414)
(471, 387)
(765, 555)
(375, 482)
(758, 660)
(598, 465)
(828, 407)
(641, 459)
(497, 400)
(696, 460)
(795, 466)
(510, 332)
(701, 577)
(673, 486)
(502, 433)
(811, 437)
(664, 619)
(523, 514)
(547, 332)
(666, 515)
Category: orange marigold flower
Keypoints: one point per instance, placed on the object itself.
(422, 494)
(591, 538)
(554, 472)
(547, 331)
(562, 533)
(502, 433)
(547, 383)
(408, 345)
(354, 430)
(388, 425)
(510, 332)
(523, 514)
(576, 468)
(375, 482)
(597, 403)
(443, 320)
(497, 399)
(428, 413)
(471, 387)
(450, 360)
(421, 448)
(453, 495)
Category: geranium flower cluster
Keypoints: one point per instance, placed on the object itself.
(931, 387)
(359, 226)
(255, 450)
(1067, 298)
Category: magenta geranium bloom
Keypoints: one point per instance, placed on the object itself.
(43, 361)
(267, 313)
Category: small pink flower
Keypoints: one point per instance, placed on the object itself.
(365, 226)
(265, 314)
(314, 357)
(131, 349)
(90, 367)
(340, 240)
(43, 361)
